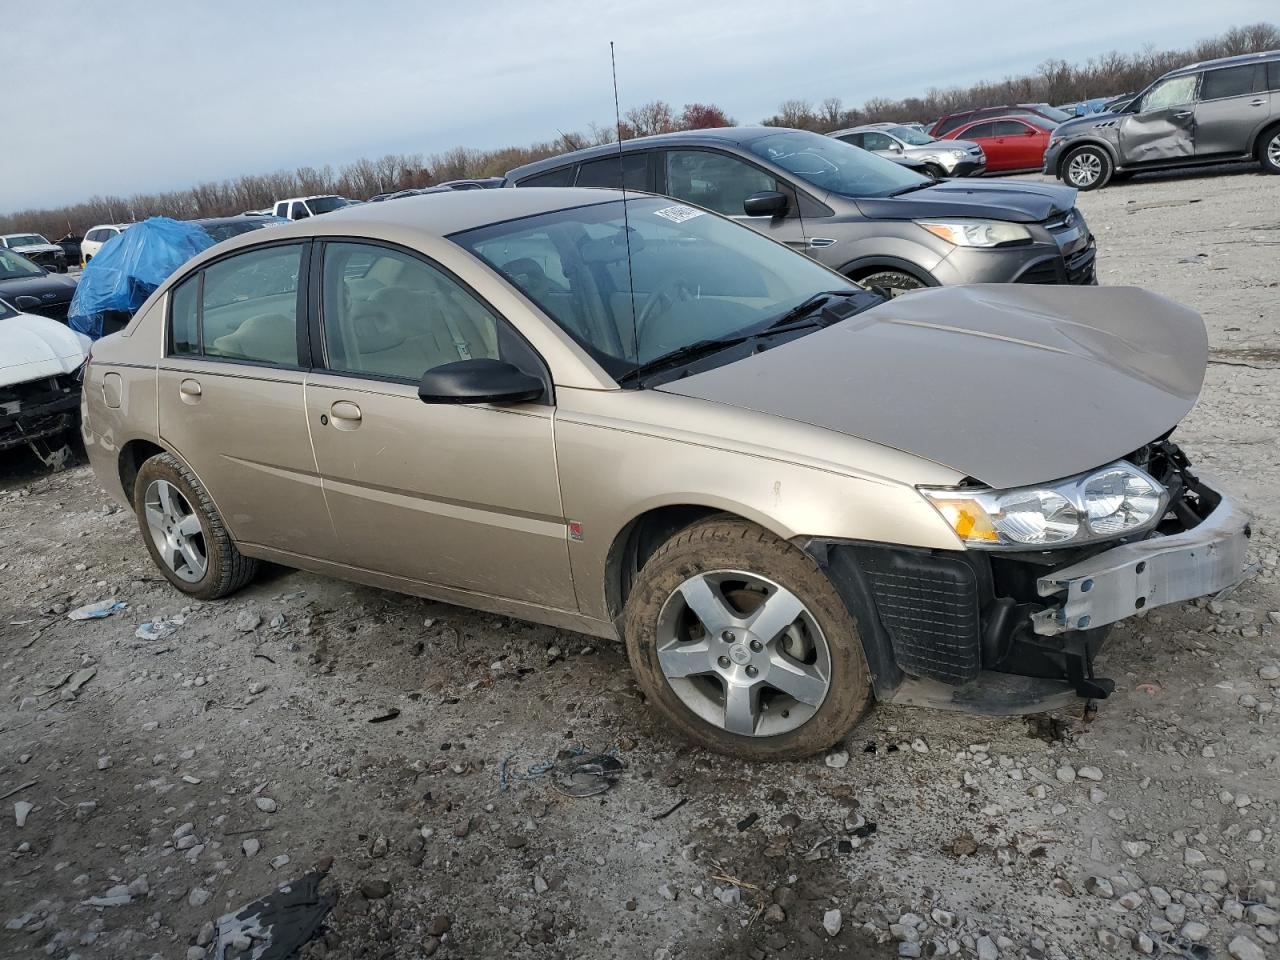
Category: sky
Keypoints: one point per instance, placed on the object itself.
(130, 96)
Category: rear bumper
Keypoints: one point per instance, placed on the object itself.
(1009, 633)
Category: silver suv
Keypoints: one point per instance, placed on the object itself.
(917, 150)
(1209, 112)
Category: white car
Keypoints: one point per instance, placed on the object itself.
(95, 237)
(299, 208)
(40, 361)
(37, 249)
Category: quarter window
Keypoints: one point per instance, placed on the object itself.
(250, 306)
(714, 180)
(1174, 92)
(184, 317)
(1228, 82)
(389, 314)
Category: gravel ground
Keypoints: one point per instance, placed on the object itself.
(178, 778)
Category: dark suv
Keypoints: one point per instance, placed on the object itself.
(871, 219)
(1206, 113)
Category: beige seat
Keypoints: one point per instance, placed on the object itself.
(402, 332)
(269, 337)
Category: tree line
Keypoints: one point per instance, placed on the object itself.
(1054, 81)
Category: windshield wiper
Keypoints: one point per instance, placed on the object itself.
(805, 307)
(916, 186)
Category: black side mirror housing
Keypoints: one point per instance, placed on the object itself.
(478, 381)
(26, 303)
(766, 203)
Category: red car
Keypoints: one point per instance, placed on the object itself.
(1010, 143)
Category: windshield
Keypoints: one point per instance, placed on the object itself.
(1053, 113)
(834, 165)
(14, 266)
(696, 276)
(326, 204)
(910, 135)
(1040, 122)
(26, 240)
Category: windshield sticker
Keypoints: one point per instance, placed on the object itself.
(679, 213)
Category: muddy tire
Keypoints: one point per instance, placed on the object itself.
(742, 644)
(1269, 150)
(184, 532)
(892, 282)
(1087, 168)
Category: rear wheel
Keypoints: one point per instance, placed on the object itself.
(184, 532)
(893, 282)
(743, 645)
(1269, 150)
(1087, 168)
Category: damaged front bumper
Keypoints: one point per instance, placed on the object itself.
(1017, 633)
(37, 410)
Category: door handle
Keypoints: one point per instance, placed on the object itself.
(1182, 114)
(1259, 102)
(190, 391)
(346, 415)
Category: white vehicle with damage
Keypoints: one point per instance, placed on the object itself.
(40, 361)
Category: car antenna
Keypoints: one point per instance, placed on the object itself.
(626, 222)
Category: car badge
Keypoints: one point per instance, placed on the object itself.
(575, 530)
(50, 296)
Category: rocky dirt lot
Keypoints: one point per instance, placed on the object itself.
(421, 756)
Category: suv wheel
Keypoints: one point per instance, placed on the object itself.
(1087, 168)
(184, 532)
(743, 645)
(1269, 150)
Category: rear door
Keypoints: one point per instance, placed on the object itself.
(1163, 125)
(458, 495)
(1233, 106)
(230, 396)
(722, 182)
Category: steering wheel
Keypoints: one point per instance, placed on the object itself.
(661, 300)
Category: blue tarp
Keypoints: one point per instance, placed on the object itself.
(128, 269)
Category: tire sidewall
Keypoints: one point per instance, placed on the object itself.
(714, 547)
(166, 467)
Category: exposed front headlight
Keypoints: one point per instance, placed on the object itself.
(977, 233)
(1111, 502)
(1054, 141)
(958, 154)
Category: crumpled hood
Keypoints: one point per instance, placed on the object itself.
(1015, 200)
(33, 347)
(38, 248)
(1010, 384)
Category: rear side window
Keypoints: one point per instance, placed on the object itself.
(1228, 82)
(560, 177)
(242, 308)
(604, 172)
(946, 126)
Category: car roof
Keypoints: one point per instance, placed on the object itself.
(238, 218)
(109, 226)
(310, 196)
(863, 127)
(1244, 58)
(712, 136)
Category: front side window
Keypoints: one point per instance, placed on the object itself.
(876, 141)
(831, 165)
(388, 314)
(560, 177)
(853, 139)
(631, 170)
(1228, 82)
(692, 276)
(716, 181)
(1273, 75)
(1173, 92)
(979, 131)
(1010, 128)
(249, 310)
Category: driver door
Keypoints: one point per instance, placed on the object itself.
(722, 182)
(1163, 125)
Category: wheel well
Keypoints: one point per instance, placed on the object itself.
(867, 269)
(132, 456)
(1096, 144)
(1263, 134)
(639, 540)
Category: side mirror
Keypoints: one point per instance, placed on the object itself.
(26, 303)
(478, 381)
(895, 148)
(766, 203)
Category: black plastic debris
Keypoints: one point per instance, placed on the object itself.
(864, 831)
(277, 926)
(385, 716)
(588, 776)
(746, 822)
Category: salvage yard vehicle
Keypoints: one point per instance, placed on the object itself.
(1011, 144)
(37, 249)
(627, 416)
(869, 218)
(1211, 112)
(299, 208)
(32, 289)
(39, 390)
(919, 151)
(95, 237)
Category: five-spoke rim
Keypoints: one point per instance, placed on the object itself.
(743, 653)
(1273, 150)
(1084, 168)
(175, 530)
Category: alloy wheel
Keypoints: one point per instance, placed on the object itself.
(175, 530)
(743, 653)
(1273, 151)
(1084, 169)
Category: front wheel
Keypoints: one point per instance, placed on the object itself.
(1269, 150)
(184, 532)
(743, 645)
(1087, 168)
(893, 282)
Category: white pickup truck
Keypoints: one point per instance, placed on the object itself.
(299, 208)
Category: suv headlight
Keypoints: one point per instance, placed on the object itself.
(978, 233)
(1115, 501)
